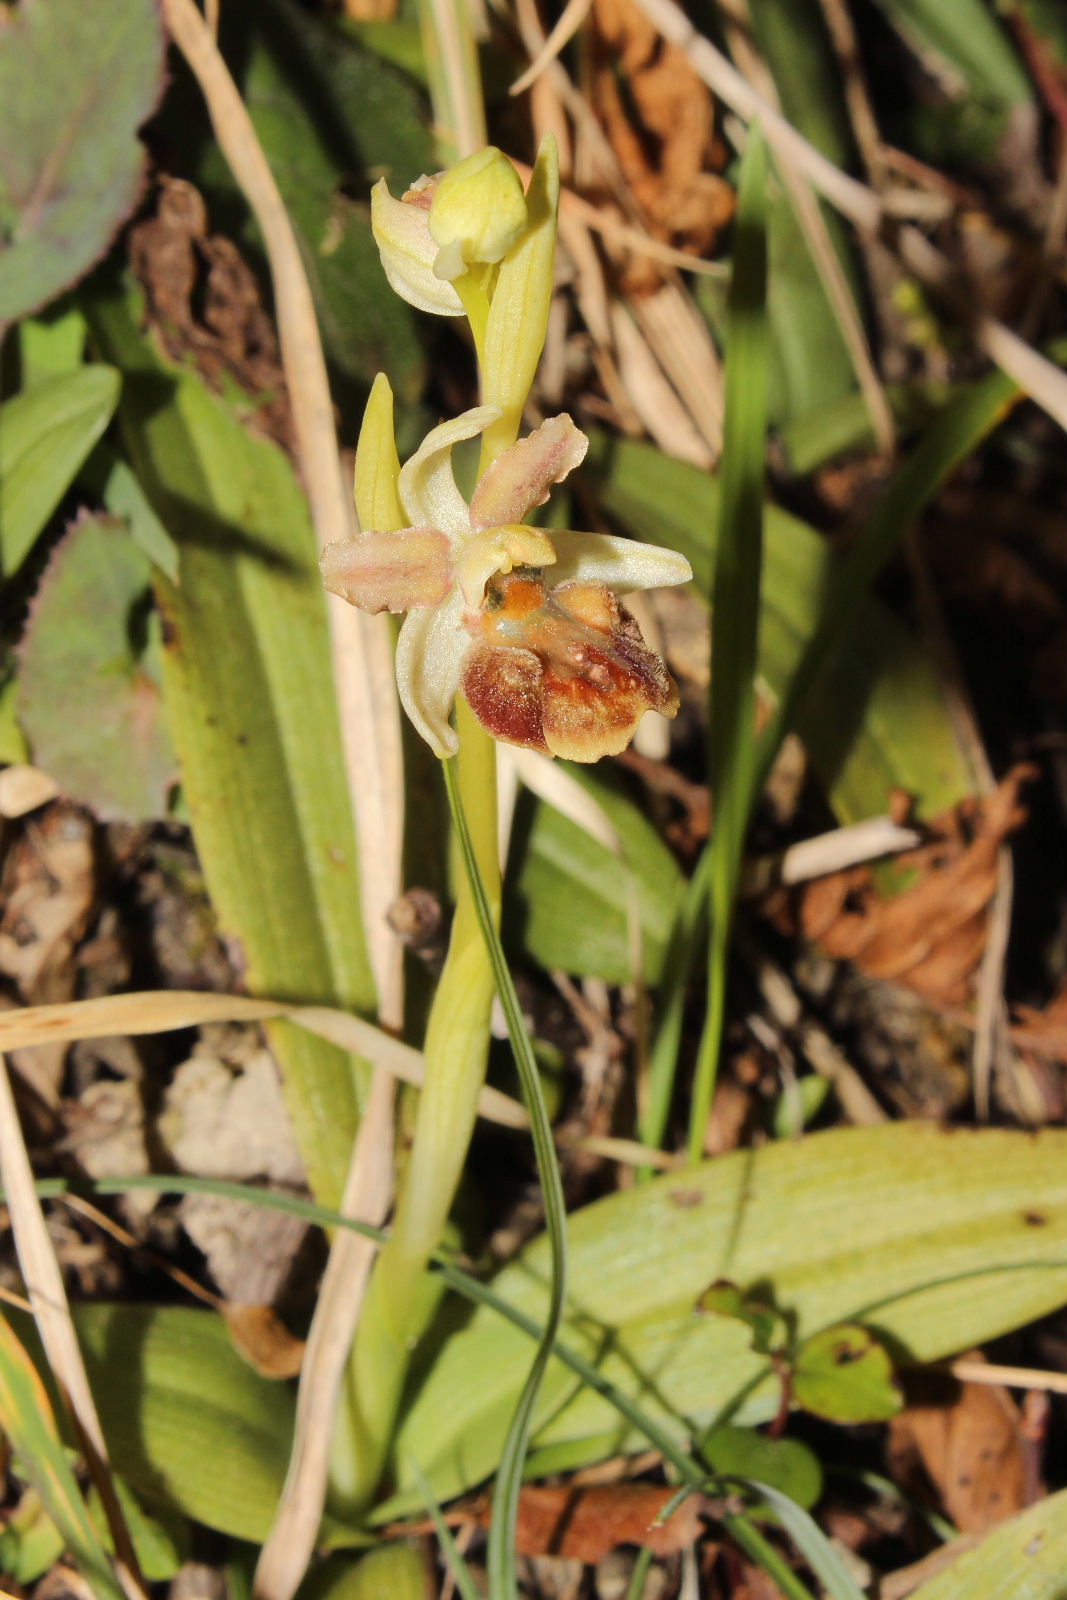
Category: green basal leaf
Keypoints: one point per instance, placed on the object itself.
(46, 432)
(884, 719)
(110, 477)
(87, 699)
(51, 344)
(1024, 1558)
(785, 1464)
(963, 1238)
(569, 898)
(968, 36)
(251, 708)
(161, 1542)
(845, 1375)
(76, 82)
(391, 1572)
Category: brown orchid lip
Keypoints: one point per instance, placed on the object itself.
(563, 669)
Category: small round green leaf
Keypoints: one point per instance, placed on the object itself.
(785, 1464)
(845, 1375)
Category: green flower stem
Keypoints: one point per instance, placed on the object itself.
(456, 1050)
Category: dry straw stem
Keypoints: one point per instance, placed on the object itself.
(44, 1286)
(291, 1542)
(1035, 375)
(968, 1370)
(362, 654)
(161, 1011)
(165, 1010)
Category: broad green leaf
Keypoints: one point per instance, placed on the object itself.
(251, 708)
(76, 82)
(331, 118)
(845, 1375)
(1024, 1558)
(27, 1419)
(391, 1572)
(968, 36)
(51, 344)
(189, 1424)
(884, 720)
(785, 1464)
(109, 476)
(569, 899)
(161, 1542)
(791, 36)
(45, 434)
(87, 699)
(936, 1239)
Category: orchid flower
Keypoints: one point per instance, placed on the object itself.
(525, 622)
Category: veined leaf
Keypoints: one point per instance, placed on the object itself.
(394, 1570)
(884, 719)
(189, 1425)
(934, 1239)
(968, 36)
(46, 432)
(252, 712)
(1025, 1557)
(569, 901)
(76, 82)
(87, 699)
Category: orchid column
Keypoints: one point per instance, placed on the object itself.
(520, 629)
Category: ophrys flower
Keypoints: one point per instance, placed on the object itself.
(525, 621)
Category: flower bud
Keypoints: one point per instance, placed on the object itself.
(477, 213)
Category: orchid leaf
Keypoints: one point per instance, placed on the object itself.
(250, 701)
(963, 1237)
(76, 82)
(88, 697)
(46, 432)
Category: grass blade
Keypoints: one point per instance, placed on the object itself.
(736, 601)
(461, 1573)
(502, 1575)
(952, 437)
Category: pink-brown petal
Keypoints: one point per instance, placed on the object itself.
(502, 686)
(523, 475)
(389, 571)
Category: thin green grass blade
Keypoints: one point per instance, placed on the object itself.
(954, 435)
(812, 1543)
(735, 601)
(760, 1550)
(29, 1424)
(503, 1581)
(461, 1573)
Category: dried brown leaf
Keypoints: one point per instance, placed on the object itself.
(262, 1339)
(931, 936)
(203, 302)
(585, 1524)
(662, 135)
(966, 1439)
